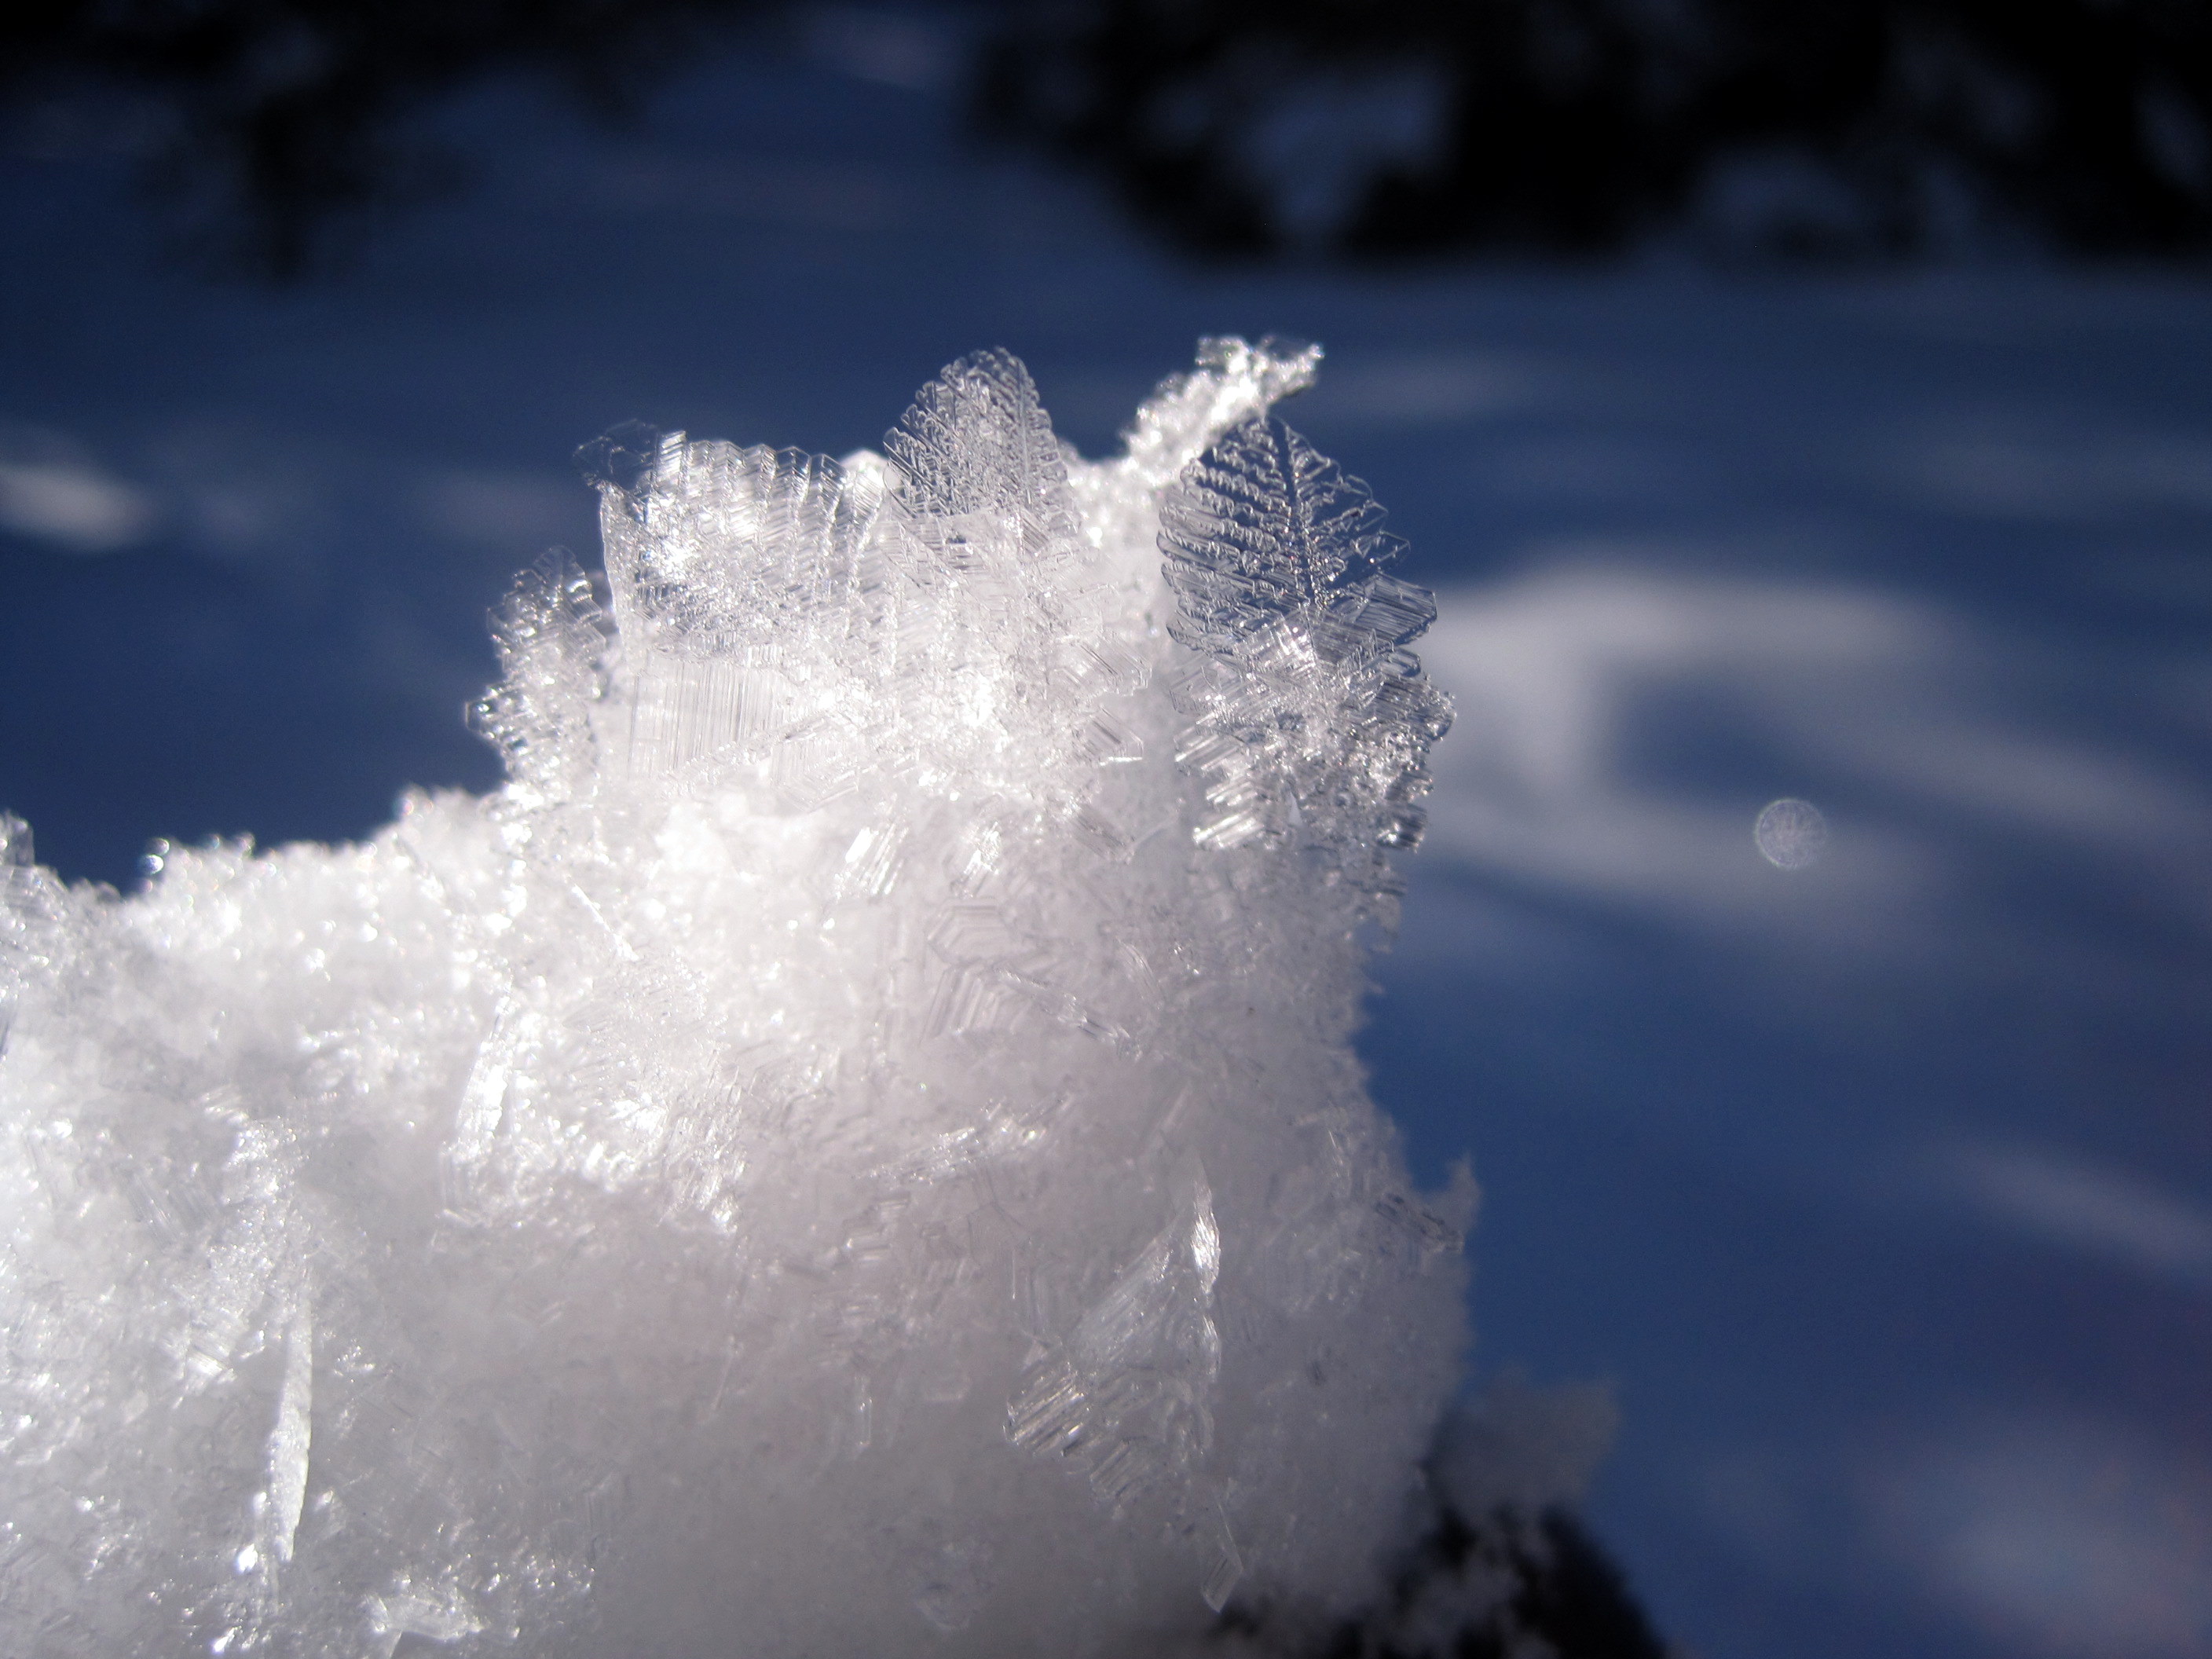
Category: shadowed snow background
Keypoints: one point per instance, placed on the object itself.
(1879, 1188)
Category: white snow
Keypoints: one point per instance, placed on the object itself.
(856, 1143)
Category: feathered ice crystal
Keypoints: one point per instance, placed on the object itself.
(855, 1142)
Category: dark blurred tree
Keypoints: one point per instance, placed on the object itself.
(1364, 127)
(274, 124)
(1835, 127)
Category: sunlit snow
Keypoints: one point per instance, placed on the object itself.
(856, 1141)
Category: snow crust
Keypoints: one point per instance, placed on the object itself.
(853, 1149)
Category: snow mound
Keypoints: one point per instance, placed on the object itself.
(854, 1147)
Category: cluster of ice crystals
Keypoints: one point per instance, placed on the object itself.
(856, 1144)
(1312, 717)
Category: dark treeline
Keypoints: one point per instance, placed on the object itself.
(1817, 127)
(268, 127)
(1366, 128)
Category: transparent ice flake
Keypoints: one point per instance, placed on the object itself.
(1310, 722)
(976, 450)
(1263, 527)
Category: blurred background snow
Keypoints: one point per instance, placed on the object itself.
(1880, 1189)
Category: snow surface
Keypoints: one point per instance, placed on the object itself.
(856, 1140)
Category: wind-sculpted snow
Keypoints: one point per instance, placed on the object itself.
(854, 1144)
